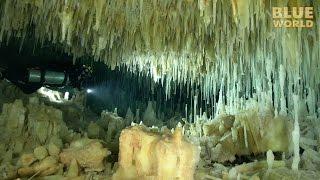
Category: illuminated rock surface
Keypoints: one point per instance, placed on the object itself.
(252, 90)
(144, 154)
(255, 134)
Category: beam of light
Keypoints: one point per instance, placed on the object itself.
(89, 91)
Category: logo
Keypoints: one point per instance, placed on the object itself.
(294, 17)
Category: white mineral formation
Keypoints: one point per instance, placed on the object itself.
(144, 154)
(270, 159)
(244, 134)
(89, 153)
(311, 159)
(250, 168)
(296, 135)
(226, 53)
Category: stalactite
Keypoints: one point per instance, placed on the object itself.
(296, 135)
(230, 56)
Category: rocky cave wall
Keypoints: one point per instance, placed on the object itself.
(230, 48)
(39, 141)
(262, 84)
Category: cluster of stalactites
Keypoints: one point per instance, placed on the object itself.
(229, 48)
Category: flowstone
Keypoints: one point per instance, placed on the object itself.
(242, 134)
(145, 154)
(26, 131)
(45, 122)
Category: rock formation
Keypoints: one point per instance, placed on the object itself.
(144, 155)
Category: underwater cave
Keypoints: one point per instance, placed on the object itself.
(162, 89)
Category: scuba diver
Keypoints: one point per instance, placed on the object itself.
(30, 79)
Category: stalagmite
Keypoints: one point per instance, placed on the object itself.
(129, 117)
(258, 84)
(145, 154)
(137, 116)
(149, 116)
